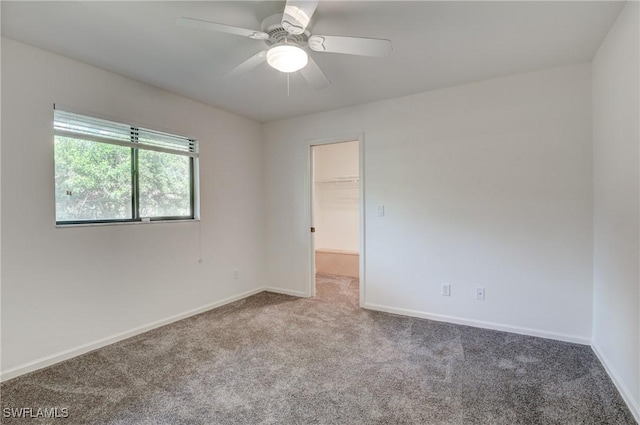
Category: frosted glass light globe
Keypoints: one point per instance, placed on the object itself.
(287, 58)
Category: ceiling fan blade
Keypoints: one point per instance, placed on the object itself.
(375, 47)
(314, 75)
(248, 65)
(214, 26)
(297, 15)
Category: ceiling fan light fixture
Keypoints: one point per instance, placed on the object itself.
(287, 58)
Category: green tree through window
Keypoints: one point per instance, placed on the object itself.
(93, 180)
(164, 184)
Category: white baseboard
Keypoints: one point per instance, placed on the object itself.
(480, 324)
(286, 292)
(634, 405)
(73, 352)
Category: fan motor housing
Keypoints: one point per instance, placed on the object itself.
(272, 25)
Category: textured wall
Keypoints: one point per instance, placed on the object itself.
(484, 185)
(616, 140)
(63, 288)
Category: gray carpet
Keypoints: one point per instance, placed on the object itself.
(276, 359)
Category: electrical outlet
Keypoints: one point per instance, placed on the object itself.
(446, 290)
(480, 294)
(235, 274)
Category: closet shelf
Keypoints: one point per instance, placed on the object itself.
(342, 179)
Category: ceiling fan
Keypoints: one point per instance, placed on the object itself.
(288, 41)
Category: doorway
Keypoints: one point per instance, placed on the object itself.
(336, 206)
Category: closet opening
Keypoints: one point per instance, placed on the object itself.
(336, 221)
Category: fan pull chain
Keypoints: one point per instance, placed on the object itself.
(288, 93)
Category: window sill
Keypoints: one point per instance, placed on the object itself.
(127, 223)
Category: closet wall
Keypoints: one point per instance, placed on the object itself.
(337, 208)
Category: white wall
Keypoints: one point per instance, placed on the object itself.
(616, 139)
(337, 201)
(485, 185)
(63, 288)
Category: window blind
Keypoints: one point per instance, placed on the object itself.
(70, 124)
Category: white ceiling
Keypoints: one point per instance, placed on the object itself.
(435, 45)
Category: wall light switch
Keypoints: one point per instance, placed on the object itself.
(446, 290)
(380, 210)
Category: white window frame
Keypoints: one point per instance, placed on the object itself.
(68, 123)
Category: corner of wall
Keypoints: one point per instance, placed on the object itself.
(625, 392)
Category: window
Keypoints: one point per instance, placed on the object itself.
(111, 172)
